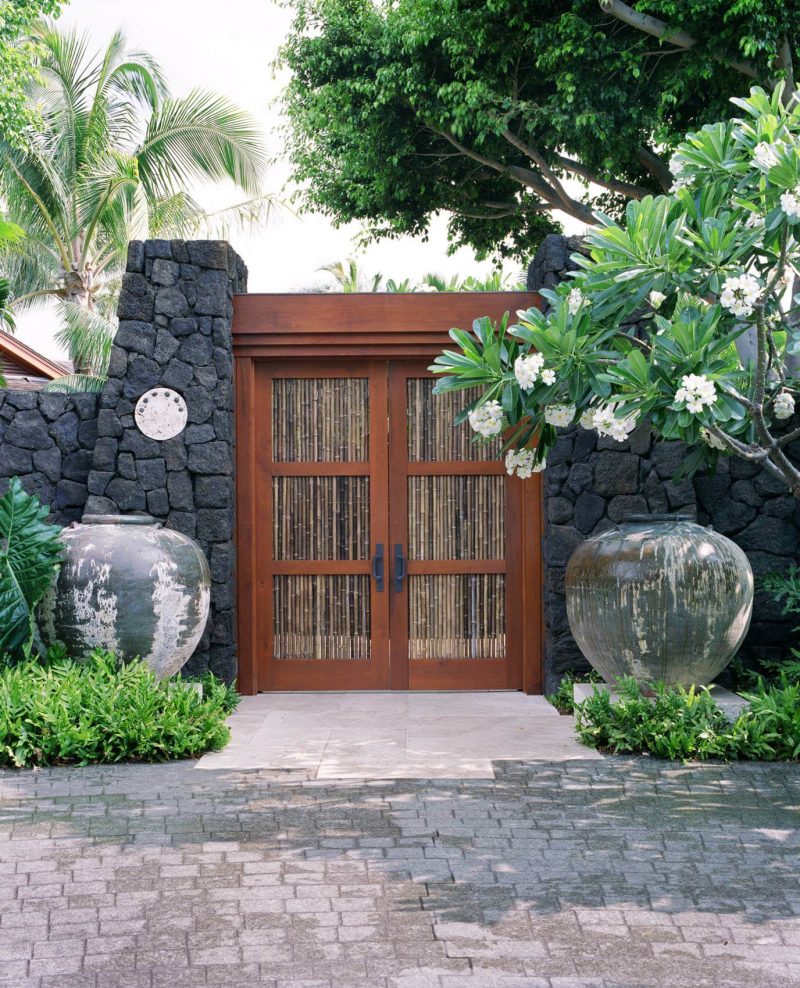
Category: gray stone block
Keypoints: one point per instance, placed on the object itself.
(214, 492)
(171, 302)
(210, 458)
(136, 298)
(28, 430)
(14, 461)
(48, 462)
(135, 336)
(151, 474)
(126, 494)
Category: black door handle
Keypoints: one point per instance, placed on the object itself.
(377, 567)
(399, 568)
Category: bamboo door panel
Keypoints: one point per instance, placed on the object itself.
(321, 481)
(455, 614)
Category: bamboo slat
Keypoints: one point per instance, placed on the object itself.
(457, 616)
(320, 419)
(320, 518)
(431, 435)
(456, 517)
(321, 617)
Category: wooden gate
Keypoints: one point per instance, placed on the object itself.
(378, 547)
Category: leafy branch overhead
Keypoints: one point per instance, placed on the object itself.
(501, 113)
(30, 553)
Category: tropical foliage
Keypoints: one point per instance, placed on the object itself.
(688, 724)
(502, 112)
(109, 161)
(681, 316)
(30, 552)
(349, 278)
(18, 52)
(55, 711)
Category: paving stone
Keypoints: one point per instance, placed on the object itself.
(574, 889)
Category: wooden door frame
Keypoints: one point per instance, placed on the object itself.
(411, 326)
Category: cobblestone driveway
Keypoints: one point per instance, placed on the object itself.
(613, 872)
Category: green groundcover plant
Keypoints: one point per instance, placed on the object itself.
(55, 711)
(683, 316)
(562, 698)
(688, 724)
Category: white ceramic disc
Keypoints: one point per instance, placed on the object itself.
(161, 413)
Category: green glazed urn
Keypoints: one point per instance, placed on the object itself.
(659, 598)
(132, 587)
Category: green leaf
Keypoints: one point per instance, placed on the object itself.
(30, 552)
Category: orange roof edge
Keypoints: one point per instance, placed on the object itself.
(33, 359)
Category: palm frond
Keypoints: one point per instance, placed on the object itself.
(87, 336)
(76, 384)
(177, 215)
(6, 315)
(248, 216)
(200, 136)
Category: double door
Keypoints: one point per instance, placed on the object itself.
(387, 544)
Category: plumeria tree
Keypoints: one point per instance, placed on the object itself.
(683, 315)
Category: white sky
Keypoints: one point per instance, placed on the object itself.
(228, 46)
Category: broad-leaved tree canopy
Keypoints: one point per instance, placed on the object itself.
(401, 108)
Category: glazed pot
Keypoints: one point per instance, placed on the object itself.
(132, 587)
(661, 599)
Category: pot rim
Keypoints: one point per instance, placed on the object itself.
(658, 518)
(119, 520)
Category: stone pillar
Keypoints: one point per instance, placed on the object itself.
(175, 313)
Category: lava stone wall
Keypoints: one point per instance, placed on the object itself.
(47, 441)
(593, 482)
(175, 312)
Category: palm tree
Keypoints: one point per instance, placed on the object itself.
(110, 162)
(349, 278)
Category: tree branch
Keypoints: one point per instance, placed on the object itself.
(657, 167)
(662, 30)
(572, 206)
(522, 175)
(627, 189)
(785, 64)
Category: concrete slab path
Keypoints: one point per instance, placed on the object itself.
(395, 735)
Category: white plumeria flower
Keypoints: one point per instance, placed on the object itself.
(521, 462)
(783, 405)
(527, 368)
(559, 415)
(676, 166)
(739, 294)
(587, 418)
(681, 182)
(607, 424)
(710, 439)
(754, 221)
(696, 391)
(790, 202)
(487, 419)
(656, 299)
(765, 155)
(574, 300)
(548, 376)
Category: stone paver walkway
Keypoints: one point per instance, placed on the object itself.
(395, 735)
(578, 873)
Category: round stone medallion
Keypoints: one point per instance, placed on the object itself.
(161, 413)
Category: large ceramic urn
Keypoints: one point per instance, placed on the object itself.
(132, 587)
(661, 599)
